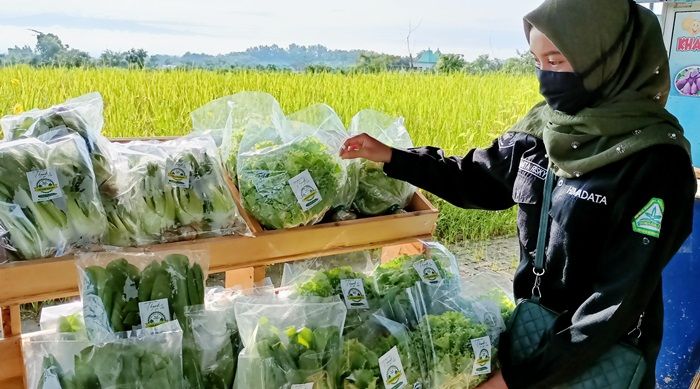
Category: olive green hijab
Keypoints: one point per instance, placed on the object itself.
(616, 46)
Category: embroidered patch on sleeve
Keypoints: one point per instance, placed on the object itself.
(648, 219)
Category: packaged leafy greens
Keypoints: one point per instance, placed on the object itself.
(149, 358)
(459, 334)
(436, 263)
(330, 127)
(229, 117)
(173, 190)
(211, 342)
(381, 353)
(122, 291)
(81, 116)
(377, 193)
(63, 317)
(300, 271)
(49, 202)
(289, 175)
(289, 343)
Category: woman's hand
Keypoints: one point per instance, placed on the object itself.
(364, 146)
(495, 382)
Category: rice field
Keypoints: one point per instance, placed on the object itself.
(455, 112)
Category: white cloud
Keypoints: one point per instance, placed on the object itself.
(469, 27)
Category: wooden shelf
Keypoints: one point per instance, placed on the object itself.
(238, 256)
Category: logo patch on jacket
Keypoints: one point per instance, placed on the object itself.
(648, 219)
(533, 169)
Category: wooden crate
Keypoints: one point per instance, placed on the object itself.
(242, 258)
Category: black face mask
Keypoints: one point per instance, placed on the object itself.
(564, 91)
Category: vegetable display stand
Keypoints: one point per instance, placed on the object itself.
(242, 258)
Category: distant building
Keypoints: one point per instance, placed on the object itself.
(427, 60)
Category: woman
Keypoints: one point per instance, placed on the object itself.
(623, 196)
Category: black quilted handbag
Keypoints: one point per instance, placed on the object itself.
(621, 367)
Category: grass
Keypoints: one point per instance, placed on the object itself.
(455, 112)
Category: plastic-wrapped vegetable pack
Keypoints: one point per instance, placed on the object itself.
(174, 190)
(436, 263)
(49, 202)
(343, 275)
(330, 127)
(144, 359)
(289, 175)
(459, 334)
(300, 271)
(123, 290)
(289, 343)
(211, 342)
(229, 117)
(63, 318)
(488, 286)
(82, 116)
(381, 351)
(378, 193)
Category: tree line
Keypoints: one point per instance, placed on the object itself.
(50, 51)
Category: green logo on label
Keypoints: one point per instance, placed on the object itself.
(393, 375)
(177, 174)
(648, 220)
(45, 187)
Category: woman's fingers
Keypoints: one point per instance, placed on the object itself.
(364, 146)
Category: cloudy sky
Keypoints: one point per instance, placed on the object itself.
(468, 27)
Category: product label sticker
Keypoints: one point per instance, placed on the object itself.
(354, 293)
(179, 174)
(44, 185)
(428, 271)
(391, 369)
(305, 190)
(154, 312)
(482, 354)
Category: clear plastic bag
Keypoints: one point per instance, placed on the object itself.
(378, 193)
(494, 287)
(49, 202)
(289, 175)
(211, 343)
(367, 354)
(81, 115)
(174, 190)
(229, 117)
(459, 334)
(289, 342)
(122, 291)
(436, 263)
(301, 271)
(331, 128)
(63, 318)
(143, 359)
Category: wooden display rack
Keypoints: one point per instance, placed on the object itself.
(243, 259)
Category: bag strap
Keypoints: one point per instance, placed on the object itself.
(542, 233)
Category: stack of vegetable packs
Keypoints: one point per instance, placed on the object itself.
(170, 191)
(279, 160)
(68, 188)
(121, 291)
(336, 323)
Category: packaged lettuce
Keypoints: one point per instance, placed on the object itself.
(378, 193)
